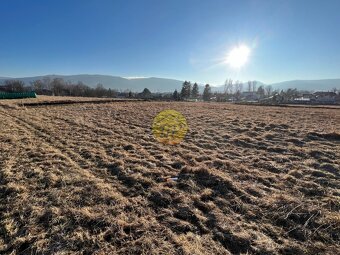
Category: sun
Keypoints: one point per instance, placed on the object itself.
(238, 56)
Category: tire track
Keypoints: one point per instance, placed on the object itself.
(144, 153)
(120, 180)
(123, 180)
(59, 149)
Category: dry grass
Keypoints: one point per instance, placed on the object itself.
(46, 100)
(91, 179)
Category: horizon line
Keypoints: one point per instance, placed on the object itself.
(148, 77)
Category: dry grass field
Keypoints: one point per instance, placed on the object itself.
(92, 179)
(51, 100)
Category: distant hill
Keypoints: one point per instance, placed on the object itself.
(315, 85)
(114, 82)
(169, 85)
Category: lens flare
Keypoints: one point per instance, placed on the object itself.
(169, 127)
(238, 56)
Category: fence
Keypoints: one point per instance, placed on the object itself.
(17, 95)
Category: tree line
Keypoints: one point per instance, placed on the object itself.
(190, 91)
(232, 90)
(58, 87)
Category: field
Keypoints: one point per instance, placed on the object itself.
(92, 179)
(51, 100)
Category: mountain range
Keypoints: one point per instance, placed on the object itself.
(168, 85)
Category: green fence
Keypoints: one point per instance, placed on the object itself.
(16, 95)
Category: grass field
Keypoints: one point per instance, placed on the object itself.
(51, 100)
(92, 179)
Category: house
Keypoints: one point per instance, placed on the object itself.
(337, 98)
(302, 100)
(308, 95)
(325, 97)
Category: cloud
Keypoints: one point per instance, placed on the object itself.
(135, 77)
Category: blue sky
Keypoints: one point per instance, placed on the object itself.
(182, 39)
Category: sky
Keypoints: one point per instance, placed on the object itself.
(181, 39)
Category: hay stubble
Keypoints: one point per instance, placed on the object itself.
(93, 179)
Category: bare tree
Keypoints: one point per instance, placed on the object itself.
(38, 86)
(261, 91)
(237, 86)
(78, 89)
(58, 86)
(47, 83)
(240, 86)
(15, 85)
(254, 86)
(238, 89)
(228, 87)
(269, 90)
(250, 86)
(100, 90)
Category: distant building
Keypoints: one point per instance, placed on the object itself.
(302, 99)
(337, 98)
(308, 95)
(325, 97)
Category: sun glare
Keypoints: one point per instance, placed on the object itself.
(238, 56)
